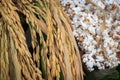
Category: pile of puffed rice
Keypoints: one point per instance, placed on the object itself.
(96, 25)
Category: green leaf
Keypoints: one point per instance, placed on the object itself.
(42, 65)
(37, 4)
(61, 75)
(30, 24)
(42, 68)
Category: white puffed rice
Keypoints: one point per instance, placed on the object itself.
(87, 19)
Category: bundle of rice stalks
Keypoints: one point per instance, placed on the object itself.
(36, 42)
